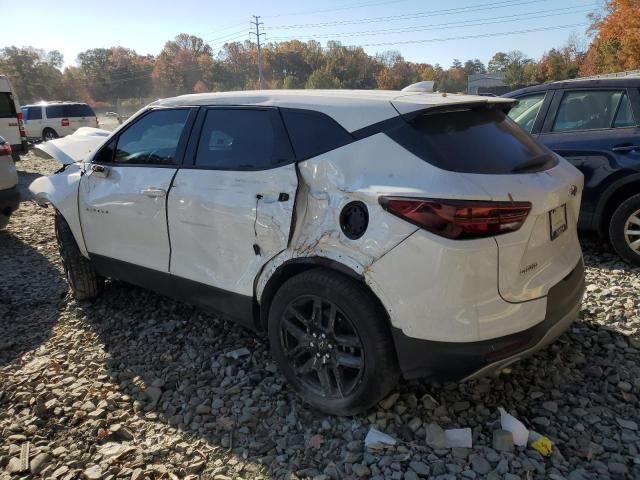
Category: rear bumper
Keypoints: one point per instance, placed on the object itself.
(9, 201)
(462, 361)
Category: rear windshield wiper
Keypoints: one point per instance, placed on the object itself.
(535, 164)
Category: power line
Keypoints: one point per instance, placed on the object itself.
(424, 14)
(439, 26)
(257, 33)
(349, 7)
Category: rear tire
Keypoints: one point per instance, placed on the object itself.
(15, 157)
(624, 230)
(84, 282)
(336, 349)
(49, 134)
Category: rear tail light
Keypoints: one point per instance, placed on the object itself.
(23, 134)
(65, 122)
(5, 149)
(459, 219)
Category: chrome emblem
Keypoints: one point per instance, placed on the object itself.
(573, 190)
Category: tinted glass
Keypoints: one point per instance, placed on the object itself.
(240, 139)
(473, 141)
(34, 113)
(106, 153)
(526, 112)
(586, 110)
(54, 111)
(624, 117)
(153, 139)
(78, 110)
(313, 133)
(7, 107)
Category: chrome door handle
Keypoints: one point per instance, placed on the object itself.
(154, 192)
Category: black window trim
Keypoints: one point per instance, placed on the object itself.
(180, 149)
(192, 149)
(559, 94)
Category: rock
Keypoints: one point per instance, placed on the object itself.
(410, 475)
(436, 438)
(93, 473)
(96, 414)
(390, 401)
(550, 406)
(503, 441)
(39, 463)
(628, 424)
(479, 464)
(617, 468)
(360, 470)
(420, 468)
(594, 371)
(14, 466)
(154, 394)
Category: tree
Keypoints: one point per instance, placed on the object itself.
(34, 73)
(319, 79)
(498, 63)
(177, 69)
(616, 46)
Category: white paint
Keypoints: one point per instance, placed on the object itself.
(120, 221)
(9, 128)
(78, 147)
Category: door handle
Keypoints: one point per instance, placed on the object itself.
(625, 148)
(154, 192)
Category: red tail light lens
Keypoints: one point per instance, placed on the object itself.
(459, 219)
(23, 134)
(65, 122)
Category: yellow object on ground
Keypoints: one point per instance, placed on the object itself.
(543, 446)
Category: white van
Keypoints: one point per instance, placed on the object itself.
(48, 120)
(11, 126)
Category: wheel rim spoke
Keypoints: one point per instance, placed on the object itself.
(348, 360)
(634, 219)
(339, 379)
(331, 320)
(632, 232)
(635, 245)
(305, 368)
(349, 341)
(292, 329)
(316, 313)
(325, 381)
(298, 316)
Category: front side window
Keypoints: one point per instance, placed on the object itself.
(588, 110)
(34, 113)
(526, 112)
(151, 140)
(242, 139)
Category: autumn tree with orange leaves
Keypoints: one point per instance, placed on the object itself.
(616, 45)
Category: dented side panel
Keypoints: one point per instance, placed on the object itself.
(61, 191)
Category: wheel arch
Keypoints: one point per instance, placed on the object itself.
(612, 197)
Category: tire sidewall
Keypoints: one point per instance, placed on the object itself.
(616, 229)
(358, 317)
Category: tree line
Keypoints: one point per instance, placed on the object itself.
(187, 64)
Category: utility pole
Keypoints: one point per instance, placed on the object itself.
(257, 33)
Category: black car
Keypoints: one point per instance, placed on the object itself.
(595, 124)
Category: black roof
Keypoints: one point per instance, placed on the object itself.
(616, 82)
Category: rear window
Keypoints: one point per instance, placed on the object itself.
(482, 141)
(78, 110)
(7, 107)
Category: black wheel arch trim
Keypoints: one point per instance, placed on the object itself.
(610, 191)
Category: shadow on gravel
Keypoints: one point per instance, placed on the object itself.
(177, 365)
(30, 292)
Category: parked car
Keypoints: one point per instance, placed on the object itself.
(11, 126)
(49, 120)
(9, 196)
(368, 233)
(595, 125)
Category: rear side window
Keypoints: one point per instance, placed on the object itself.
(151, 140)
(54, 111)
(78, 110)
(243, 139)
(7, 107)
(587, 110)
(313, 133)
(484, 141)
(34, 113)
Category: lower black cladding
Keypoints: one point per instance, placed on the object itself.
(454, 361)
(234, 306)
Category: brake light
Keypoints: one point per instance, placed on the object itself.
(5, 149)
(65, 122)
(459, 219)
(23, 134)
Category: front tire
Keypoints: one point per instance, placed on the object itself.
(49, 134)
(624, 230)
(84, 282)
(330, 338)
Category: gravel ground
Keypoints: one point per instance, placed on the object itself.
(138, 386)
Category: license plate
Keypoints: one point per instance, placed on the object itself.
(558, 221)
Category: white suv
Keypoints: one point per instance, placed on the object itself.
(9, 195)
(49, 120)
(369, 233)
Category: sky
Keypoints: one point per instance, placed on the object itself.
(421, 30)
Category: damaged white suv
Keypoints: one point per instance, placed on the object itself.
(371, 234)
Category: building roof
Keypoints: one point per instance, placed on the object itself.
(354, 109)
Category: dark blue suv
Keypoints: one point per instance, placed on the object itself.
(595, 124)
